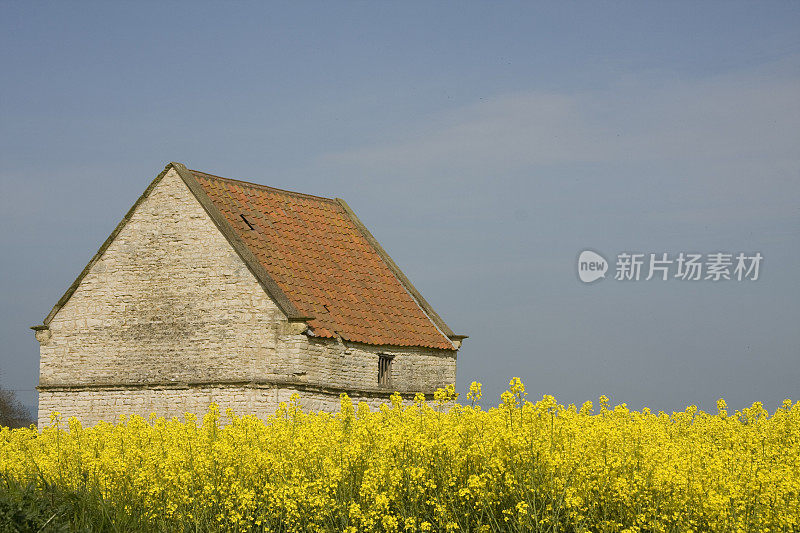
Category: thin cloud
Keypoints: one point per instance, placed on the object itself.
(739, 114)
(733, 137)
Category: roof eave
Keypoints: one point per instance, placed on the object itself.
(415, 294)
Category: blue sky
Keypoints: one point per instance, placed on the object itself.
(484, 144)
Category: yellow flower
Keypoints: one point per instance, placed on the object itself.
(519, 466)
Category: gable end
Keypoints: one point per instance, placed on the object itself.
(264, 279)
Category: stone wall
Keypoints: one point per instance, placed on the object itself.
(94, 405)
(169, 300)
(172, 308)
(355, 365)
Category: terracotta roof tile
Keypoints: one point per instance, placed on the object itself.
(322, 261)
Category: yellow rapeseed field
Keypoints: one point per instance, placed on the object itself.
(429, 466)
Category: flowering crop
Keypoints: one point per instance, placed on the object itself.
(427, 466)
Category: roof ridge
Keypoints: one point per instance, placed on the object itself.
(265, 187)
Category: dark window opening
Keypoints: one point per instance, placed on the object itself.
(385, 369)
(249, 225)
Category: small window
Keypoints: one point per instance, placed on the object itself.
(385, 369)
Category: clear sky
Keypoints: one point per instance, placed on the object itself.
(484, 144)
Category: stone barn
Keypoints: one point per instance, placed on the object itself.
(219, 290)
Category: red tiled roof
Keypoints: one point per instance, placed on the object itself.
(318, 255)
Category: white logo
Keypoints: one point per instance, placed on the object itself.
(591, 266)
(663, 266)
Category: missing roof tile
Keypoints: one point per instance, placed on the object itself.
(249, 225)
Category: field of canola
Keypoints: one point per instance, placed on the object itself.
(440, 465)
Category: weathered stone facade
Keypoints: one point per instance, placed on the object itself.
(169, 319)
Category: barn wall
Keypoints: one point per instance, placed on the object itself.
(169, 300)
(92, 406)
(355, 365)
